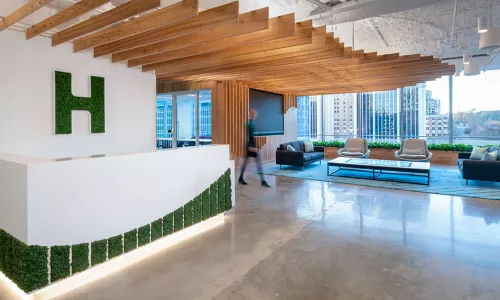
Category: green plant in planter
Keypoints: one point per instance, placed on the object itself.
(178, 219)
(168, 224)
(395, 146)
(205, 204)
(130, 241)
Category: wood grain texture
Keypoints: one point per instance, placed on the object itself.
(248, 23)
(65, 15)
(278, 28)
(107, 18)
(30, 7)
(167, 15)
(211, 18)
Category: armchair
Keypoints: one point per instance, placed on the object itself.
(355, 147)
(414, 150)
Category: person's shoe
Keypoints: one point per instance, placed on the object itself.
(265, 184)
(241, 181)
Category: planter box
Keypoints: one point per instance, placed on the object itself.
(438, 157)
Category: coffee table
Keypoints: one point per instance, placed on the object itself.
(380, 167)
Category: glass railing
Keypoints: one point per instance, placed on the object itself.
(467, 140)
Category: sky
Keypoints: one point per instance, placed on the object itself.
(481, 92)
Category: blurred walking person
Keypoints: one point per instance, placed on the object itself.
(252, 150)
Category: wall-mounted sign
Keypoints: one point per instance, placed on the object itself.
(65, 103)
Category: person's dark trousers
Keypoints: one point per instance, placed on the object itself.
(257, 160)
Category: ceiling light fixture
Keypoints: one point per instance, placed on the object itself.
(472, 69)
(482, 24)
(466, 59)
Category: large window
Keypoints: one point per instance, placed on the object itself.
(471, 114)
(476, 109)
(183, 119)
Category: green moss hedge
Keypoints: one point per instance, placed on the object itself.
(197, 209)
(79, 258)
(156, 230)
(65, 103)
(205, 204)
(130, 241)
(115, 246)
(168, 224)
(59, 263)
(27, 266)
(178, 219)
(144, 235)
(189, 214)
(98, 252)
(395, 146)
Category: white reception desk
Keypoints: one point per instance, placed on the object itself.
(71, 201)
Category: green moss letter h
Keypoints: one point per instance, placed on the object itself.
(65, 103)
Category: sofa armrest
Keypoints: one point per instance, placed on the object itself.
(481, 170)
(465, 155)
(291, 158)
(319, 149)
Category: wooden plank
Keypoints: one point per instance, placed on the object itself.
(203, 66)
(207, 19)
(302, 36)
(248, 22)
(27, 9)
(107, 18)
(278, 28)
(167, 15)
(65, 15)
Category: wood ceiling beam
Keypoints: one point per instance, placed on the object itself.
(274, 69)
(301, 37)
(27, 9)
(247, 23)
(207, 19)
(164, 16)
(65, 15)
(107, 18)
(318, 45)
(278, 28)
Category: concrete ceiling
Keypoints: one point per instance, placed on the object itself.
(384, 26)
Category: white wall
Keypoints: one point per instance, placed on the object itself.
(13, 198)
(26, 101)
(85, 200)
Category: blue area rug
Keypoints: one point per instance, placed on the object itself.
(443, 181)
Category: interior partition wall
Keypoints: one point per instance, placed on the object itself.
(183, 119)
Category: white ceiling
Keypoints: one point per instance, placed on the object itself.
(384, 26)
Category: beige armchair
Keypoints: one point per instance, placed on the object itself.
(355, 147)
(414, 150)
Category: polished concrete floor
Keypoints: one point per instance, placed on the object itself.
(314, 240)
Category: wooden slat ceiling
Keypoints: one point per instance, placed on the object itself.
(179, 43)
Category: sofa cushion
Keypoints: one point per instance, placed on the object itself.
(414, 151)
(490, 156)
(308, 147)
(493, 148)
(296, 146)
(412, 156)
(312, 156)
(354, 150)
(478, 152)
(283, 146)
(354, 154)
(290, 148)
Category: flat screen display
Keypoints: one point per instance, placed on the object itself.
(269, 107)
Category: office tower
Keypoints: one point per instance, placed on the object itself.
(378, 115)
(436, 125)
(413, 111)
(433, 105)
(303, 117)
(339, 115)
